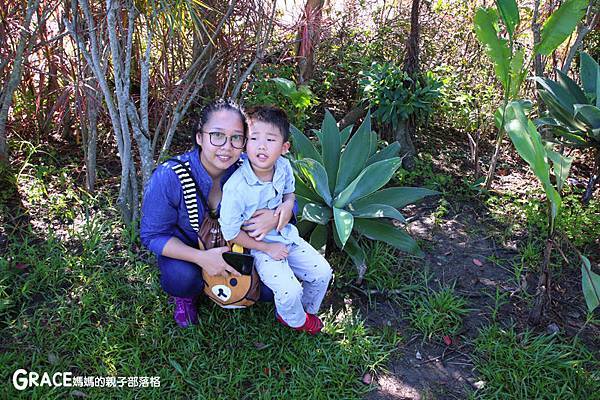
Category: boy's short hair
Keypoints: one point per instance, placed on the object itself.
(272, 115)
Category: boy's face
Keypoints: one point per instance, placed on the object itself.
(265, 145)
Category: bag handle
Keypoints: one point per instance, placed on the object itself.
(188, 172)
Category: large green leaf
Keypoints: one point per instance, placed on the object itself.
(590, 75)
(344, 221)
(590, 114)
(590, 283)
(560, 25)
(331, 148)
(496, 48)
(305, 227)
(316, 213)
(377, 211)
(560, 113)
(517, 72)
(353, 249)
(303, 146)
(392, 150)
(345, 134)
(560, 167)
(369, 180)
(566, 100)
(318, 237)
(373, 144)
(286, 86)
(509, 13)
(570, 86)
(385, 232)
(397, 197)
(353, 159)
(315, 173)
(304, 191)
(528, 143)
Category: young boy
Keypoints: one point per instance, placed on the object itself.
(264, 180)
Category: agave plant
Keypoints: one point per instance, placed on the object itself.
(338, 187)
(574, 111)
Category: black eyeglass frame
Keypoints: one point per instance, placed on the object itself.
(230, 138)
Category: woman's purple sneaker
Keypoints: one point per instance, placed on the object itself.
(186, 312)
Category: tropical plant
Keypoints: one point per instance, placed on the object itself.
(389, 90)
(338, 190)
(574, 112)
(543, 161)
(509, 59)
(295, 100)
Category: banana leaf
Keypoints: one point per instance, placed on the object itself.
(509, 13)
(528, 143)
(496, 48)
(590, 283)
(560, 25)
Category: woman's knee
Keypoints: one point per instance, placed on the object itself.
(180, 278)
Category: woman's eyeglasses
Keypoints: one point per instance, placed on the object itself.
(219, 139)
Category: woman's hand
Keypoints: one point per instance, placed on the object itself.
(277, 251)
(212, 262)
(284, 213)
(262, 222)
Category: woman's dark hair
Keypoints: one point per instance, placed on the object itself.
(218, 105)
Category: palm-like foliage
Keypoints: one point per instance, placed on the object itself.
(338, 184)
(574, 111)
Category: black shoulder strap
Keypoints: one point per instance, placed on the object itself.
(190, 189)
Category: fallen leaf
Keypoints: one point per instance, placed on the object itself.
(487, 282)
(367, 378)
(418, 356)
(447, 340)
(267, 371)
(78, 393)
(477, 262)
(479, 385)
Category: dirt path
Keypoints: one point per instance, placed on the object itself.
(433, 370)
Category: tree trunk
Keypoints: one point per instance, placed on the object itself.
(15, 76)
(405, 132)
(308, 36)
(583, 28)
(535, 27)
(407, 147)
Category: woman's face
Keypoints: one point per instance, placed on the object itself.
(217, 159)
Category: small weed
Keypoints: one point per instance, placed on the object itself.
(435, 313)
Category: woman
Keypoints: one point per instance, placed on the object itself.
(165, 226)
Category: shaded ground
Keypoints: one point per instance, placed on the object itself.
(471, 250)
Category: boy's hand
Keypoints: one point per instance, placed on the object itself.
(277, 251)
(284, 213)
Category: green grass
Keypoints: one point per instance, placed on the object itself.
(438, 313)
(529, 366)
(88, 302)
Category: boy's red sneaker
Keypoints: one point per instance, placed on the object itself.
(312, 325)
